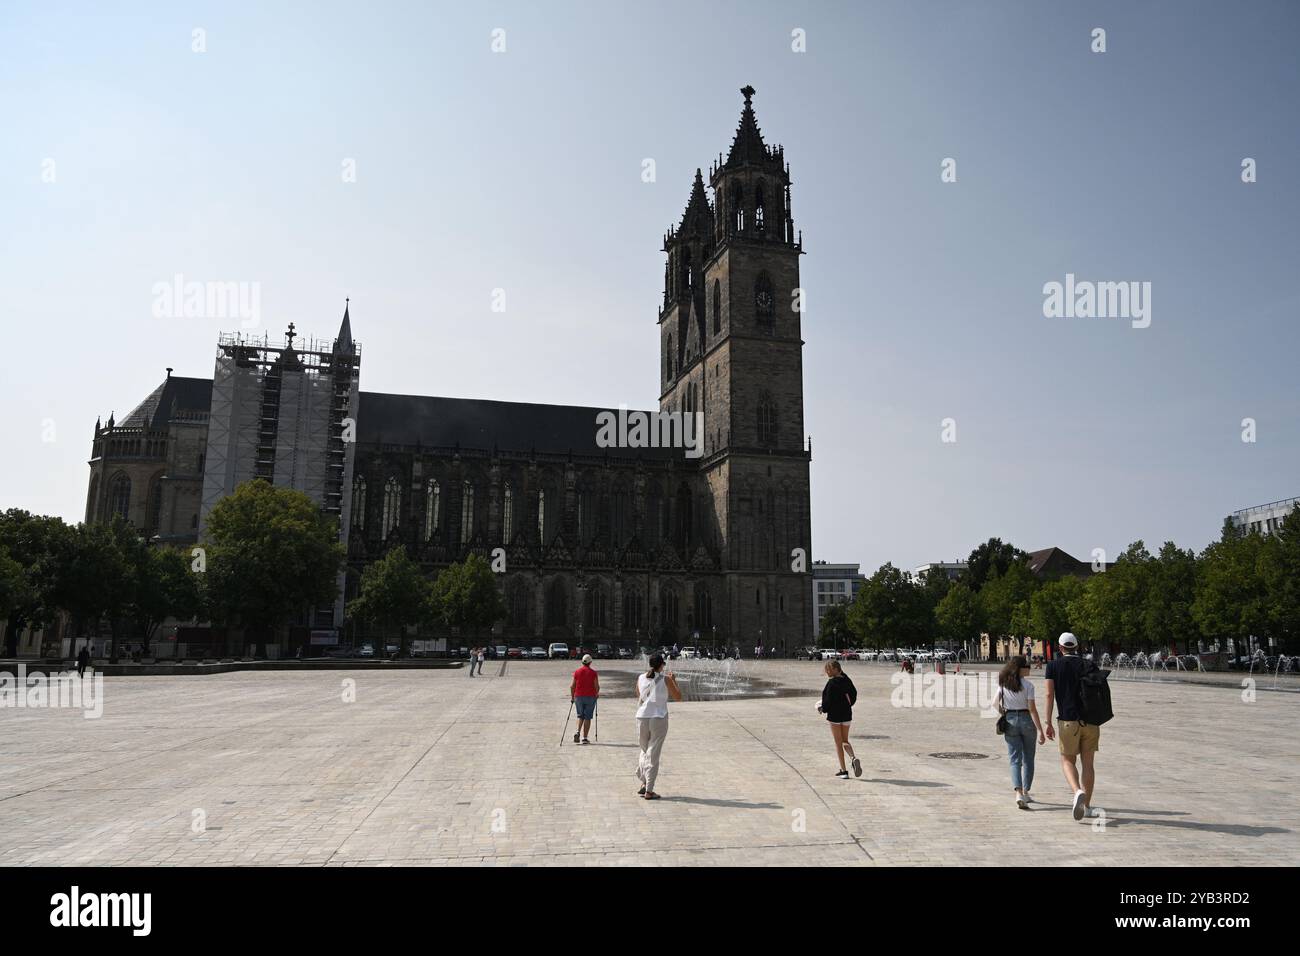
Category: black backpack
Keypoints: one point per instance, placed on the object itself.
(1094, 694)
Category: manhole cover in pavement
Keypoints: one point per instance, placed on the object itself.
(958, 755)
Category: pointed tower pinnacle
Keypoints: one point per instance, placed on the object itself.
(344, 341)
(748, 147)
(698, 216)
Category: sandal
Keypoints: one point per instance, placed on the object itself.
(652, 796)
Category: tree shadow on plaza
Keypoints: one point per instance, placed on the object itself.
(1230, 829)
(906, 783)
(731, 804)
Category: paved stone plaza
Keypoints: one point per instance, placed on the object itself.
(435, 767)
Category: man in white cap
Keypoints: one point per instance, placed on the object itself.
(1076, 739)
(583, 690)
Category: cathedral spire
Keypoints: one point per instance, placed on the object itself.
(698, 216)
(748, 148)
(344, 341)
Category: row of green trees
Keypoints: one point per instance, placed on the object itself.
(1243, 587)
(269, 555)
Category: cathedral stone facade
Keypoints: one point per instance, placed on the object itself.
(620, 545)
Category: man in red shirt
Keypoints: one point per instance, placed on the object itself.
(583, 690)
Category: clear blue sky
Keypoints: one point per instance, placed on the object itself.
(521, 170)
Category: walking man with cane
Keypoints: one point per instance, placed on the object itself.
(583, 690)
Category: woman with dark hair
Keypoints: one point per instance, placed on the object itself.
(654, 689)
(838, 697)
(1016, 703)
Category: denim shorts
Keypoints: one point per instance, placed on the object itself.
(586, 707)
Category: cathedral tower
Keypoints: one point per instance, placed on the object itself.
(732, 347)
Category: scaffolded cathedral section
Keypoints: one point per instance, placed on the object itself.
(285, 414)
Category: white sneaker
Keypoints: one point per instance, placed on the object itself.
(1079, 808)
(1028, 797)
(1020, 802)
(1096, 812)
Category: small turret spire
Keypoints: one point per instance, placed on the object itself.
(344, 341)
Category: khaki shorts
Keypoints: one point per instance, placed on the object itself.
(1075, 738)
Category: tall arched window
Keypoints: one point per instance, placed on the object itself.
(359, 502)
(508, 514)
(466, 512)
(766, 419)
(758, 209)
(432, 494)
(738, 208)
(668, 359)
(668, 600)
(621, 517)
(119, 496)
(541, 516)
(153, 510)
(633, 611)
(392, 507)
(717, 307)
(703, 607)
(764, 302)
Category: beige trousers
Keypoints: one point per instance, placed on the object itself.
(652, 731)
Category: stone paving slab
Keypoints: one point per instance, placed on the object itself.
(437, 768)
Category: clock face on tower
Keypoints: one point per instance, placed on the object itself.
(764, 299)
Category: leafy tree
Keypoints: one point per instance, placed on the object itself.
(992, 557)
(1281, 570)
(34, 543)
(1050, 612)
(1001, 595)
(271, 555)
(835, 626)
(393, 594)
(890, 610)
(88, 575)
(1231, 591)
(14, 587)
(1171, 590)
(957, 615)
(465, 596)
(163, 586)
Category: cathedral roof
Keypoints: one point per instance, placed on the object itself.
(188, 394)
(437, 422)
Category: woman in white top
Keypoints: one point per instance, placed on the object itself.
(1016, 701)
(654, 689)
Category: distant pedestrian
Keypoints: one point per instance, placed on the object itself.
(83, 660)
(482, 655)
(1077, 739)
(1024, 730)
(654, 689)
(473, 659)
(838, 697)
(583, 691)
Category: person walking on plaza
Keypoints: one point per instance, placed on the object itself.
(83, 659)
(838, 697)
(1024, 731)
(473, 659)
(583, 690)
(1076, 739)
(654, 689)
(482, 653)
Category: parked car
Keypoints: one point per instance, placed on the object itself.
(604, 650)
(367, 650)
(558, 651)
(498, 650)
(515, 652)
(688, 653)
(624, 653)
(537, 653)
